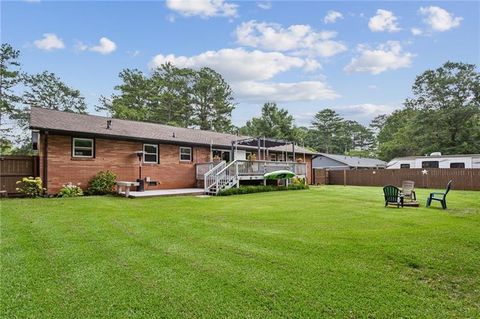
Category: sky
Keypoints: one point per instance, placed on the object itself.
(359, 58)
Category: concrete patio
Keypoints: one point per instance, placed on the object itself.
(166, 192)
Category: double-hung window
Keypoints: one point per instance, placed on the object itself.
(83, 147)
(150, 153)
(185, 154)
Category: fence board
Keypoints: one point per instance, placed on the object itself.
(13, 168)
(463, 178)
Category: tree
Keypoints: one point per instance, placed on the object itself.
(10, 77)
(274, 123)
(212, 101)
(443, 115)
(46, 90)
(327, 124)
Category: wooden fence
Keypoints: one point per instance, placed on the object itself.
(463, 178)
(13, 168)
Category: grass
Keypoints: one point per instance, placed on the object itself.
(329, 251)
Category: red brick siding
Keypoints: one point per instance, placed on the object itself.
(119, 157)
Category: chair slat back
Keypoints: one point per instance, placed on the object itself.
(391, 193)
(449, 186)
(408, 187)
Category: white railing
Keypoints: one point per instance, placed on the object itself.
(210, 177)
(223, 176)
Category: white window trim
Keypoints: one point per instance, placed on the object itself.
(156, 154)
(83, 147)
(180, 153)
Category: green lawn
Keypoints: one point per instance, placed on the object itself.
(331, 251)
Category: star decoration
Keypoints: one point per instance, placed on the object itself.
(424, 172)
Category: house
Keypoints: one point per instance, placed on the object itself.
(436, 160)
(74, 147)
(341, 162)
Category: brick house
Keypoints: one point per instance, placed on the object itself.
(74, 147)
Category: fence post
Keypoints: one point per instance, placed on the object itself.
(344, 177)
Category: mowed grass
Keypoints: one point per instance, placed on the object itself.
(330, 251)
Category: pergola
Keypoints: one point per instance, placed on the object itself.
(262, 144)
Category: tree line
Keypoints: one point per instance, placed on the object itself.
(443, 113)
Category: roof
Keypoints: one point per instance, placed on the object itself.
(435, 156)
(354, 161)
(67, 123)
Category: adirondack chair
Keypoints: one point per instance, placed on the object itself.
(408, 190)
(441, 197)
(392, 196)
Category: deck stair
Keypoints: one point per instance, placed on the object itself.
(223, 176)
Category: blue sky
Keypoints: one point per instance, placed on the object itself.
(359, 58)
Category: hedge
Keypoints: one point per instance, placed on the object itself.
(259, 189)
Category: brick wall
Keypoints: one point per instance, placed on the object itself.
(119, 157)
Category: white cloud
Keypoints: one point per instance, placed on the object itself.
(284, 92)
(170, 18)
(239, 64)
(372, 87)
(384, 21)
(248, 71)
(105, 46)
(439, 19)
(49, 42)
(367, 109)
(332, 17)
(388, 56)
(298, 39)
(203, 8)
(133, 53)
(80, 46)
(265, 5)
(416, 31)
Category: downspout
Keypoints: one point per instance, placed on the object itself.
(45, 163)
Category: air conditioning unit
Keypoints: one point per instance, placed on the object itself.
(436, 154)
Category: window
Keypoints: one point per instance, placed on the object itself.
(185, 154)
(82, 147)
(273, 157)
(221, 154)
(150, 153)
(290, 158)
(430, 164)
(404, 165)
(457, 165)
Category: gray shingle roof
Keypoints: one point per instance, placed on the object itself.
(97, 125)
(354, 161)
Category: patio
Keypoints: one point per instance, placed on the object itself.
(165, 192)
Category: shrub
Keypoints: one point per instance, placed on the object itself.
(259, 189)
(70, 190)
(103, 183)
(32, 187)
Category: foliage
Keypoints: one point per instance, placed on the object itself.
(260, 189)
(274, 123)
(30, 186)
(443, 115)
(102, 183)
(175, 96)
(70, 190)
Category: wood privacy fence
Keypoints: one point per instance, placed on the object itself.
(463, 178)
(13, 168)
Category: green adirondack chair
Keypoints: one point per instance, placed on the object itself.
(440, 197)
(392, 196)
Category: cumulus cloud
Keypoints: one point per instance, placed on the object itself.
(384, 20)
(387, 56)
(416, 31)
(105, 46)
(203, 8)
(239, 64)
(299, 39)
(284, 92)
(265, 5)
(248, 71)
(49, 42)
(439, 19)
(332, 17)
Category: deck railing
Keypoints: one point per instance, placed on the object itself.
(246, 167)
